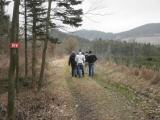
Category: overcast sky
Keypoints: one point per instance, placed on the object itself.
(118, 15)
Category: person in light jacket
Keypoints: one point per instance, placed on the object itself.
(80, 60)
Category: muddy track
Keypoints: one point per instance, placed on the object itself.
(85, 109)
(94, 102)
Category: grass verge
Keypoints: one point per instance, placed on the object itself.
(124, 90)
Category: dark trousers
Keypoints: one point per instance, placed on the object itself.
(91, 69)
(74, 70)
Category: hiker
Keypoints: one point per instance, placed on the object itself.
(80, 59)
(86, 62)
(73, 64)
(91, 58)
(83, 64)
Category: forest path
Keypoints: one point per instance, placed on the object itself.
(87, 98)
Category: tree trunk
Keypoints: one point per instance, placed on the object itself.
(1, 16)
(45, 46)
(13, 62)
(1, 10)
(34, 50)
(17, 58)
(26, 45)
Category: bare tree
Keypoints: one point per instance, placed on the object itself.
(70, 44)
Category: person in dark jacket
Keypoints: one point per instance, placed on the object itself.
(73, 64)
(83, 65)
(91, 58)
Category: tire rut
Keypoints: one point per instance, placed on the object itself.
(85, 109)
(93, 102)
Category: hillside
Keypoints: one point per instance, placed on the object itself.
(63, 36)
(148, 30)
(93, 34)
(148, 33)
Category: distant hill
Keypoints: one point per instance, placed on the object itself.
(63, 36)
(59, 34)
(92, 34)
(147, 31)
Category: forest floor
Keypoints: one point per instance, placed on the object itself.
(103, 97)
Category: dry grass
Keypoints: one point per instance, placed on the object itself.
(52, 103)
(144, 81)
(4, 65)
(147, 74)
(144, 73)
(156, 79)
(139, 79)
(136, 72)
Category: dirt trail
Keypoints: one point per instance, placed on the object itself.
(87, 100)
(60, 90)
(66, 98)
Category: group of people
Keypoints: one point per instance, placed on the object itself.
(79, 60)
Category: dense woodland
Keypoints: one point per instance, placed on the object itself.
(130, 54)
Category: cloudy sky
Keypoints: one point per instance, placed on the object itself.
(118, 15)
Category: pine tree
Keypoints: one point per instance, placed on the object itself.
(68, 15)
(4, 19)
(13, 69)
(36, 14)
(45, 45)
(26, 44)
(67, 12)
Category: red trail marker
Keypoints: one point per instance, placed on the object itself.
(14, 45)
